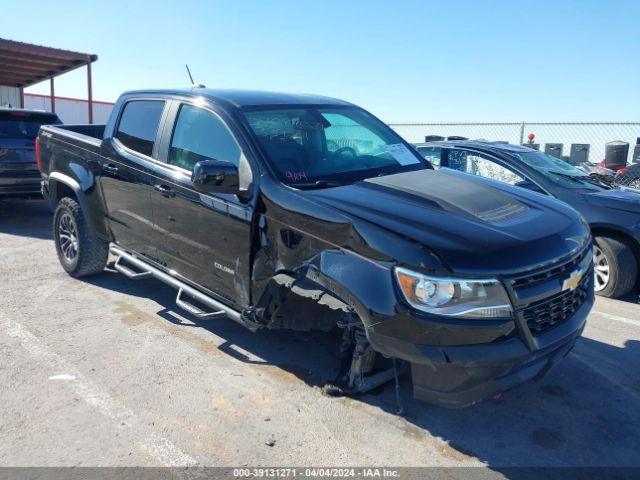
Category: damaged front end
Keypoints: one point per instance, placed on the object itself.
(300, 304)
(453, 362)
(465, 336)
(359, 372)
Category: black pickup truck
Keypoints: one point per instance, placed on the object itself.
(306, 212)
(19, 175)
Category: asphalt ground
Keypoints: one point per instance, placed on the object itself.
(108, 372)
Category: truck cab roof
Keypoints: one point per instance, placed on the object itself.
(245, 98)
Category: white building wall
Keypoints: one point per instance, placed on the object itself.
(9, 96)
(70, 110)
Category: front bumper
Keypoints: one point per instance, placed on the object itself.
(461, 375)
(485, 370)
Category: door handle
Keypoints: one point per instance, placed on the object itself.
(165, 190)
(110, 168)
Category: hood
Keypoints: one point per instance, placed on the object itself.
(614, 199)
(472, 224)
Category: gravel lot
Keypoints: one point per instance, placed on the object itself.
(107, 372)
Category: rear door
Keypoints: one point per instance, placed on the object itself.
(203, 237)
(127, 178)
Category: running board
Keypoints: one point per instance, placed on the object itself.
(185, 305)
(145, 271)
(127, 272)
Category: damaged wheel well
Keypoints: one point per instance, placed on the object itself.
(299, 304)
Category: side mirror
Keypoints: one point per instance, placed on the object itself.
(216, 176)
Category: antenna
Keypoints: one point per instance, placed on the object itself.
(189, 72)
(193, 84)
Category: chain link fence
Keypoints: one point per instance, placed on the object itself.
(577, 143)
(628, 178)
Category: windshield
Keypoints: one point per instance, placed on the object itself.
(558, 171)
(328, 146)
(22, 125)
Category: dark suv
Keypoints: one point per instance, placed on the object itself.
(19, 175)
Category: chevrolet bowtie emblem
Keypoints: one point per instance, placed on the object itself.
(573, 281)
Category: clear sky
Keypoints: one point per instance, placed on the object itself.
(543, 60)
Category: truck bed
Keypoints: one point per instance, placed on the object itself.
(62, 139)
(87, 132)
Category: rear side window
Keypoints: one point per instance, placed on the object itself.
(431, 154)
(201, 135)
(23, 125)
(138, 125)
(482, 165)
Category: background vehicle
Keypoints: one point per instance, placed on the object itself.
(305, 212)
(600, 174)
(613, 215)
(628, 177)
(19, 175)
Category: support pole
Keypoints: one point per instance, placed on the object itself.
(53, 95)
(90, 92)
(21, 97)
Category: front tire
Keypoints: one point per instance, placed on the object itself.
(615, 267)
(80, 251)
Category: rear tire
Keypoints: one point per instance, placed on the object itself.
(615, 266)
(80, 251)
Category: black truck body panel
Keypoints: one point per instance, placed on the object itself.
(345, 240)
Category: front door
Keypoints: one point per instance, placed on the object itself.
(202, 237)
(126, 175)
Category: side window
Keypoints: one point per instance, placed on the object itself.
(138, 125)
(431, 154)
(483, 166)
(201, 135)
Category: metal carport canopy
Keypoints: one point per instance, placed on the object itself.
(25, 64)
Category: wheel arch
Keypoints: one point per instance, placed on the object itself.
(61, 185)
(621, 235)
(346, 283)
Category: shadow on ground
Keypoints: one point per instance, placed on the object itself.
(26, 218)
(584, 413)
(633, 297)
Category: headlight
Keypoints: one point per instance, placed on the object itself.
(463, 298)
